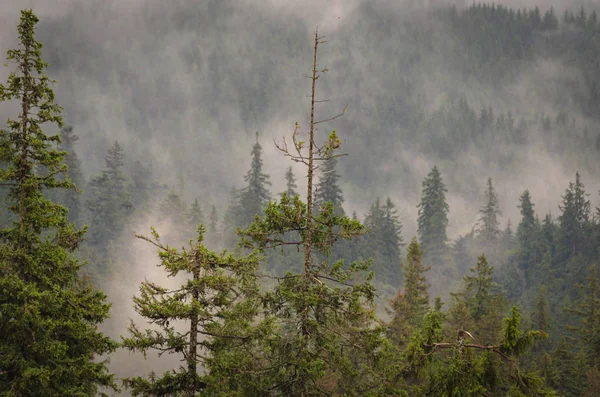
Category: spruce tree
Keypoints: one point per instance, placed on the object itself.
(327, 189)
(208, 320)
(412, 302)
(109, 202)
(49, 337)
(290, 183)
(484, 300)
(574, 220)
(383, 241)
(254, 197)
(329, 342)
(71, 198)
(489, 213)
(587, 311)
(527, 236)
(433, 219)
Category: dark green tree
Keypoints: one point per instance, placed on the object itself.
(574, 219)
(383, 242)
(108, 203)
(71, 197)
(527, 236)
(433, 219)
(216, 303)
(327, 189)
(412, 301)
(50, 344)
(254, 197)
(484, 300)
(587, 311)
(489, 213)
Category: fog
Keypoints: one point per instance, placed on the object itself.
(184, 86)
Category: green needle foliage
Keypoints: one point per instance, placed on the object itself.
(329, 341)
(49, 338)
(208, 320)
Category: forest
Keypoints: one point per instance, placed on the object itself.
(398, 204)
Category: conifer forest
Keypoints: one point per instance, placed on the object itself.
(299, 198)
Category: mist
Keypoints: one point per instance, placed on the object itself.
(184, 86)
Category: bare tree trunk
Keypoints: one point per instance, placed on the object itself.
(309, 194)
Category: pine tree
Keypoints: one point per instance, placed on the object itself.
(327, 190)
(508, 238)
(49, 337)
(329, 343)
(412, 302)
(587, 311)
(216, 303)
(290, 183)
(109, 202)
(383, 242)
(489, 223)
(71, 198)
(527, 236)
(484, 300)
(574, 220)
(253, 198)
(433, 218)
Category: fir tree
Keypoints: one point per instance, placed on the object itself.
(433, 218)
(290, 183)
(71, 198)
(217, 305)
(327, 189)
(383, 242)
(527, 236)
(412, 302)
(109, 202)
(576, 212)
(484, 300)
(49, 337)
(587, 312)
(489, 213)
(253, 198)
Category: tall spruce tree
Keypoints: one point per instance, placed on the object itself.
(329, 343)
(489, 213)
(327, 189)
(254, 197)
(574, 219)
(49, 337)
(527, 236)
(109, 203)
(412, 301)
(383, 242)
(433, 219)
(290, 183)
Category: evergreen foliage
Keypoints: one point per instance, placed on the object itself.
(50, 344)
(208, 320)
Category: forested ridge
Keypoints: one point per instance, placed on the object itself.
(333, 264)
